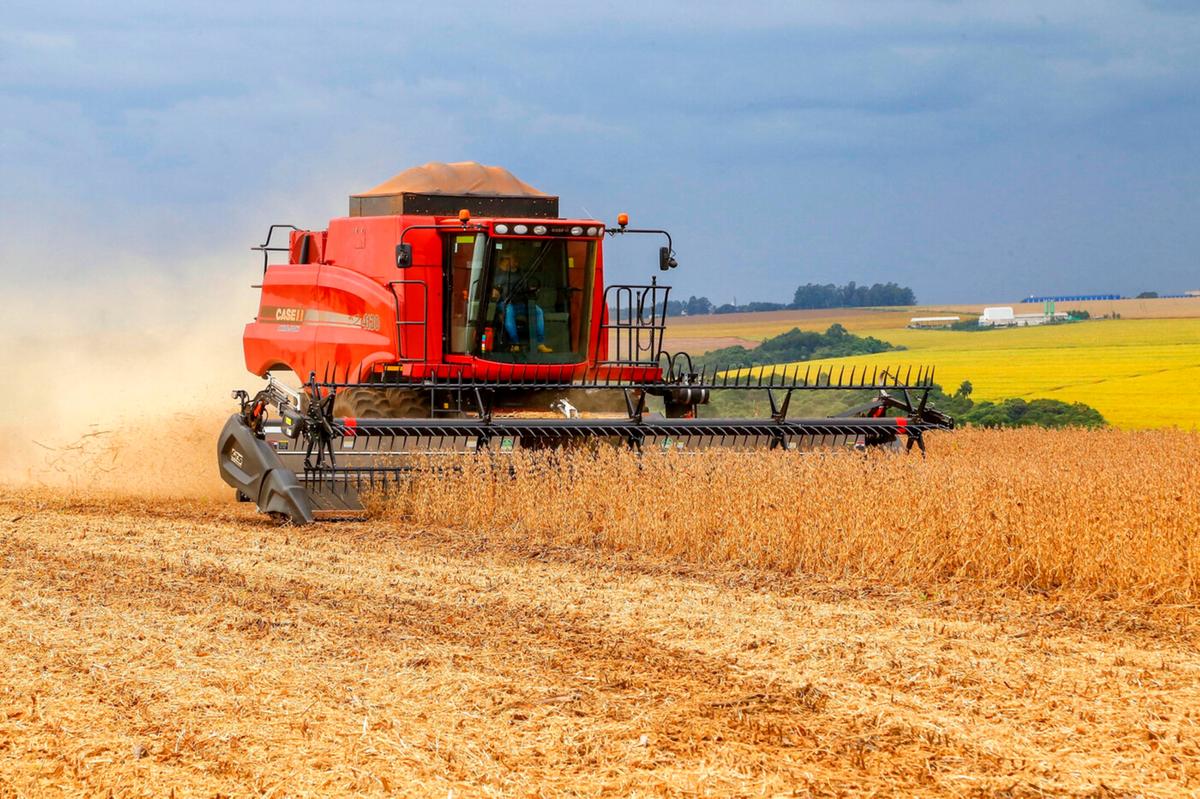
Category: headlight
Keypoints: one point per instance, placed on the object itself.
(539, 230)
(591, 231)
(520, 229)
(501, 229)
(577, 231)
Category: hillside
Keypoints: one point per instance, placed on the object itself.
(1137, 372)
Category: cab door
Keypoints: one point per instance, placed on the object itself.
(464, 333)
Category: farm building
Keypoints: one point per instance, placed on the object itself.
(932, 321)
(1072, 298)
(1004, 317)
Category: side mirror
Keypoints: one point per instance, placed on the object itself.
(403, 256)
(666, 259)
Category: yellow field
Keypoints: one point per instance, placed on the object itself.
(1139, 373)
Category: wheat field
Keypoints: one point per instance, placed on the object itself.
(1014, 614)
(1102, 514)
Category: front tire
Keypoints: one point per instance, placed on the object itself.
(367, 402)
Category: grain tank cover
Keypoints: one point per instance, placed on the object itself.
(443, 189)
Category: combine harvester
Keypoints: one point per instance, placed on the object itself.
(454, 312)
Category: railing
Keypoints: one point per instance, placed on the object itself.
(423, 322)
(637, 319)
(265, 248)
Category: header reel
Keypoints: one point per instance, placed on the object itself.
(310, 463)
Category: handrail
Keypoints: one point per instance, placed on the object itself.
(639, 318)
(266, 247)
(423, 321)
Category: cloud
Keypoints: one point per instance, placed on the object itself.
(150, 132)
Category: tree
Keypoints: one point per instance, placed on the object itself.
(795, 345)
(813, 295)
(1035, 413)
(964, 389)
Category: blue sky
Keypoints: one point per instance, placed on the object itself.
(975, 151)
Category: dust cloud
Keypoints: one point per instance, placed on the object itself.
(123, 385)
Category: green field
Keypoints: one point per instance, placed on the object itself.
(1139, 373)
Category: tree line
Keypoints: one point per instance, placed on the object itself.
(795, 345)
(810, 295)
(1014, 412)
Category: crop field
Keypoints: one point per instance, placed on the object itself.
(1013, 615)
(1139, 373)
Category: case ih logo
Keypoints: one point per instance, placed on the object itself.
(289, 314)
(316, 316)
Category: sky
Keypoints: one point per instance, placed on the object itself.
(977, 152)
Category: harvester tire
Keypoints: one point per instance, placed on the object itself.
(678, 410)
(382, 403)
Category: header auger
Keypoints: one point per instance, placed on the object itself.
(454, 313)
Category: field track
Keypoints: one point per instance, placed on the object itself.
(196, 649)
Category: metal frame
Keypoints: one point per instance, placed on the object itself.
(320, 429)
(635, 332)
(265, 248)
(400, 322)
(799, 377)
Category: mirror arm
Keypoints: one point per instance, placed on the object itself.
(670, 254)
(472, 228)
(612, 231)
(400, 245)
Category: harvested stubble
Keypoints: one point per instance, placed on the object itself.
(1107, 514)
(195, 648)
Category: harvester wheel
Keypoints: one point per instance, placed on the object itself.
(382, 403)
(678, 410)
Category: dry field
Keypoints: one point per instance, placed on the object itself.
(700, 333)
(1015, 615)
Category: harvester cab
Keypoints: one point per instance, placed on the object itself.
(454, 311)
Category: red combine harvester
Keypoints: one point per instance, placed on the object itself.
(453, 311)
